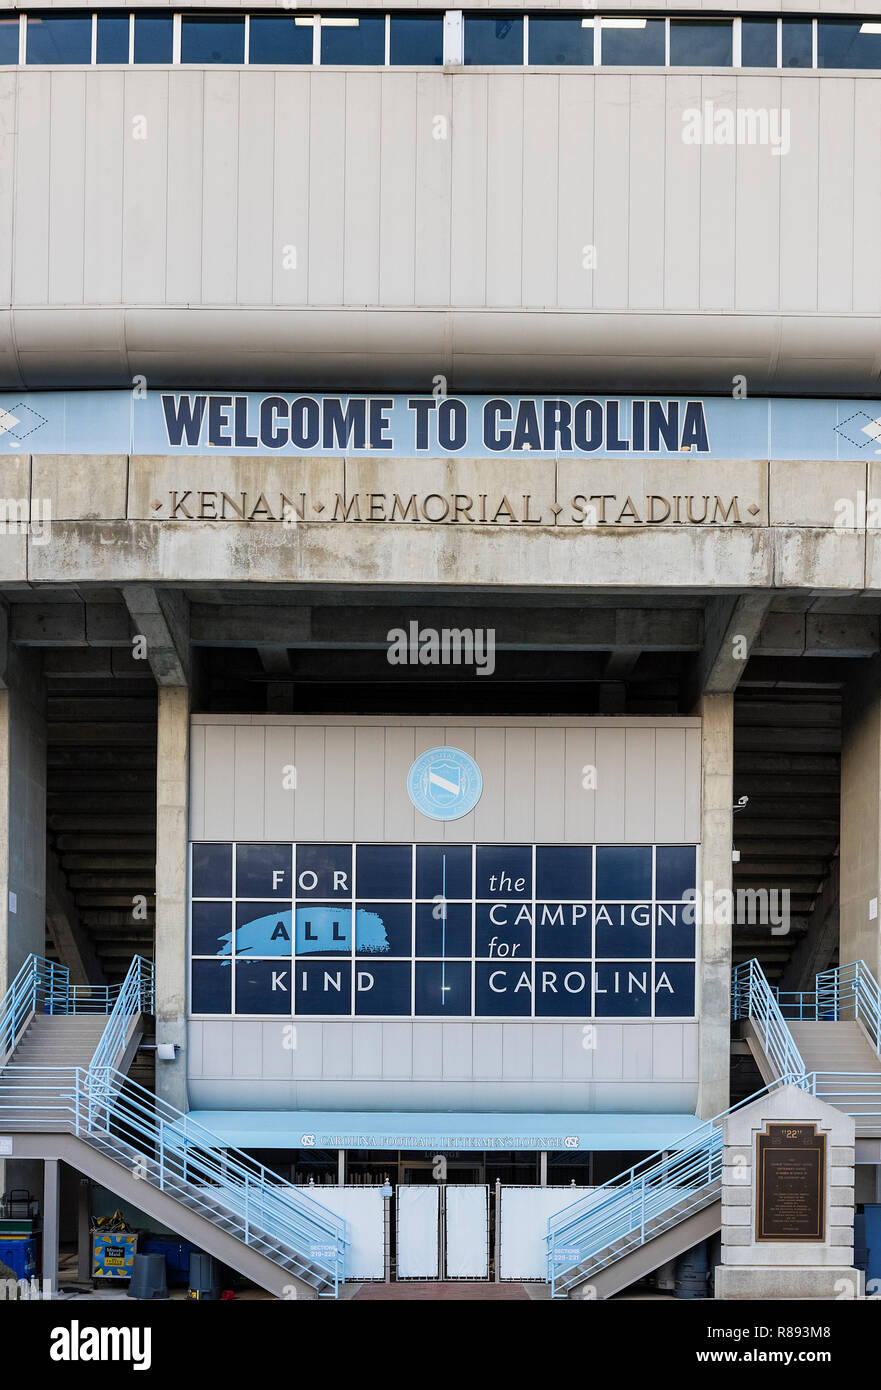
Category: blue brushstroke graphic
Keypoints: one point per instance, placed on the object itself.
(370, 932)
(265, 936)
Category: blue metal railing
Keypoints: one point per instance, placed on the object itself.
(752, 998)
(180, 1157)
(102, 1106)
(641, 1202)
(39, 987)
(663, 1189)
(43, 987)
(134, 996)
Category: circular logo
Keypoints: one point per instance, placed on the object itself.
(444, 783)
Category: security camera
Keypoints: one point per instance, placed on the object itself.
(741, 802)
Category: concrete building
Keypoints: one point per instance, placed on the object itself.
(440, 586)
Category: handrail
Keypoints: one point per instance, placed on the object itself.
(852, 992)
(135, 996)
(38, 981)
(179, 1156)
(753, 999)
(649, 1197)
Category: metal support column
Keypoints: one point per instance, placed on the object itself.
(51, 1207)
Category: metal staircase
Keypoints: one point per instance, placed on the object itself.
(147, 1152)
(831, 1034)
(666, 1204)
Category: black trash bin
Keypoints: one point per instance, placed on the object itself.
(148, 1277)
(204, 1278)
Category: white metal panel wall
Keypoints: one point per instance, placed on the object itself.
(351, 779)
(536, 166)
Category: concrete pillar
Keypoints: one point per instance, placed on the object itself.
(172, 823)
(22, 837)
(84, 1231)
(51, 1216)
(860, 854)
(22, 813)
(714, 974)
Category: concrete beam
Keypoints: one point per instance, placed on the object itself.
(731, 627)
(517, 629)
(72, 943)
(819, 634)
(162, 617)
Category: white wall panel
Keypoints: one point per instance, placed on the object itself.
(397, 180)
(290, 206)
(361, 240)
(718, 213)
(645, 232)
(801, 195)
(183, 283)
(836, 182)
(253, 195)
(469, 183)
(682, 198)
(67, 149)
(433, 186)
(351, 779)
(31, 267)
(612, 154)
(145, 166)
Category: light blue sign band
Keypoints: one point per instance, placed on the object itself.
(267, 425)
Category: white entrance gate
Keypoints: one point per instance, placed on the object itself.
(442, 1232)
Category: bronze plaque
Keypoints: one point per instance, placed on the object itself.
(791, 1183)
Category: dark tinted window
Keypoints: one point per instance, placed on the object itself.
(758, 43)
(493, 39)
(212, 38)
(279, 39)
(351, 39)
(212, 929)
(59, 38)
(324, 871)
(797, 43)
(560, 41)
(674, 872)
(633, 42)
(112, 41)
(9, 40)
(701, 43)
(845, 43)
(153, 38)
(212, 871)
(443, 871)
(504, 872)
(443, 989)
(263, 871)
(384, 871)
(212, 987)
(416, 40)
(563, 871)
(624, 871)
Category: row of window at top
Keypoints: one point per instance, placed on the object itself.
(430, 40)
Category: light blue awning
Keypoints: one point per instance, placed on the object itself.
(407, 1130)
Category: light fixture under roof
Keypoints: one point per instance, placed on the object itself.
(871, 27)
(623, 23)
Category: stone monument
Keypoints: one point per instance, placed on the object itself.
(787, 1200)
